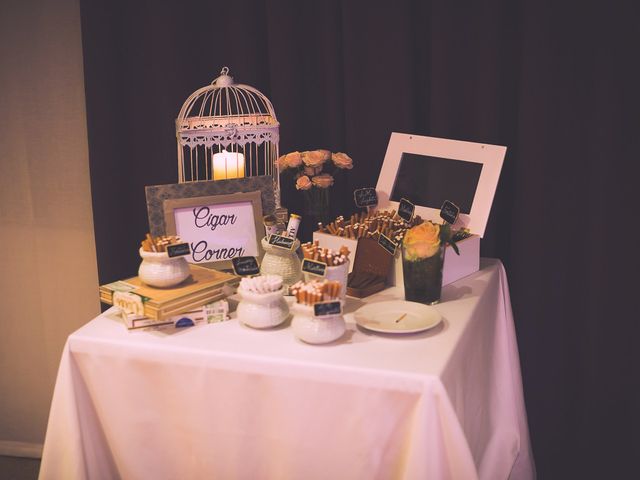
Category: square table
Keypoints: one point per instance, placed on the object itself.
(226, 401)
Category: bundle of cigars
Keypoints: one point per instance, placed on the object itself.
(315, 291)
(370, 225)
(158, 244)
(313, 251)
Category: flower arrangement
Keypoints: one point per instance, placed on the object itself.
(314, 172)
(422, 260)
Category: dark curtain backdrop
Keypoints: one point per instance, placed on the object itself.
(556, 82)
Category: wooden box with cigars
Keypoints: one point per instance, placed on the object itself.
(371, 268)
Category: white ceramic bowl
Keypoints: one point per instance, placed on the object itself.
(314, 330)
(159, 270)
(262, 310)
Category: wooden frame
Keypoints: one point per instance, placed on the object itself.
(490, 156)
(200, 253)
(156, 195)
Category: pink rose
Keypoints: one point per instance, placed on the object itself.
(342, 160)
(303, 183)
(290, 160)
(315, 158)
(322, 181)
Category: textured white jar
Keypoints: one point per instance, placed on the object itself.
(159, 270)
(262, 310)
(278, 261)
(316, 330)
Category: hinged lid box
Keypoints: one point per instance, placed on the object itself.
(427, 171)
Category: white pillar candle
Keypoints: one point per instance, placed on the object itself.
(228, 165)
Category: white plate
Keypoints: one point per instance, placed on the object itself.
(397, 316)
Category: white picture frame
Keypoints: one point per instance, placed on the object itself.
(210, 239)
(490, 156)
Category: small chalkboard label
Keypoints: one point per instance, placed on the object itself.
(388, 244)
(178, 249)
(282, 242)
(325, 309)
(365, 197)
(449, 212)
(313, 267)
(245, 266)
(406, 210)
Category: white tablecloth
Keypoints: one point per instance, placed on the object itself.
(228, 402)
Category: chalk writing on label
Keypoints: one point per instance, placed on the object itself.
(325, 309)
(365, 197)
(406, 209)
(282, 242)
(449, 212)
(314, 267)
(178, 250)
(388, 244)
(245, 265)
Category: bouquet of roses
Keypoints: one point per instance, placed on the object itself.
(314, 172)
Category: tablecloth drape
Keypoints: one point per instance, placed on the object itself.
(226, 401)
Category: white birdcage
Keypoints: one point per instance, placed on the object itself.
(227, 130)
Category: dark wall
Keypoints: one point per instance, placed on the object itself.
(556, 83)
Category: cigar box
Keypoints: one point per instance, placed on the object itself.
(427, 171)
(371, 267)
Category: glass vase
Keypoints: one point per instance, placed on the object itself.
(316, 203)
(423, 277)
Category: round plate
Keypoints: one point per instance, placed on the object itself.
(397, 316)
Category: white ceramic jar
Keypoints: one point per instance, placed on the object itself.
(338, 272)
(316, 330)
(279, 261)
(159, 270)
(262, 310)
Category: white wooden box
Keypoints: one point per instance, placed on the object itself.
(455, 267)
(457, 171)
(477, 190)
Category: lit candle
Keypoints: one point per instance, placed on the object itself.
(228, 165)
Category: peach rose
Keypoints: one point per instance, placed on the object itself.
(422, 241)
(322, 181)
(315, 158)
(303, 183)
(342, 160)
(290, 160)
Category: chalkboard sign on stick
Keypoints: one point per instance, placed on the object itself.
(244, 266)
(388, 244)
(326, 309)
(365, 197)
(449, 212)
(313, 267)
(178, 250)
(406, 210)
(279, 241)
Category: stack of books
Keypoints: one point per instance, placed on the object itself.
(144, 306)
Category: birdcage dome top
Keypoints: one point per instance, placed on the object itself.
(225, 112)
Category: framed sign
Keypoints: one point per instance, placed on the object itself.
(157, 195)
(430, 170)
(217, 228)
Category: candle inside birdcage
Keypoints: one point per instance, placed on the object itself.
(227, 131)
